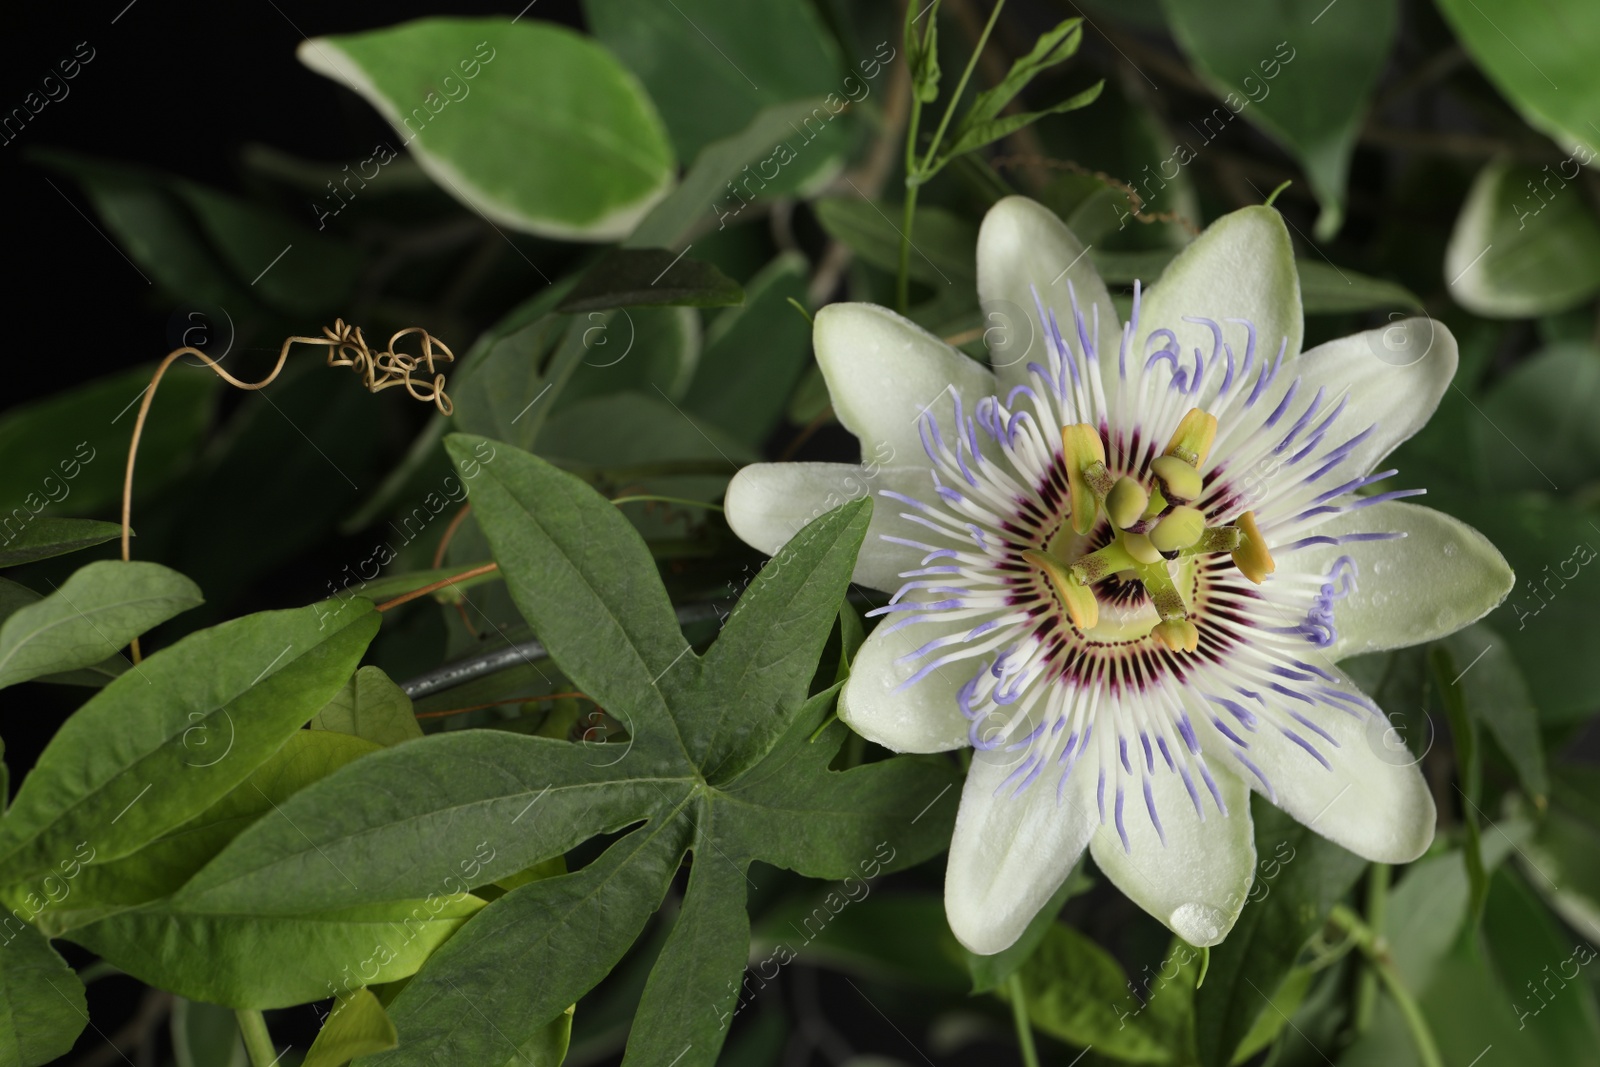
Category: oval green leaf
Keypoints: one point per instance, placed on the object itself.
(1300, 72)
(1526, 243)
(46, 537)
(1541, 57)
(42, 1007)
(532, 125)
(90, 617)
(173, 735)
(275, 961)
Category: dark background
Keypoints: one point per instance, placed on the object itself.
(174, 88)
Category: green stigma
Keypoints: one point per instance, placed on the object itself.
(1155, 524)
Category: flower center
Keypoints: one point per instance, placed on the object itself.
(1157, 542)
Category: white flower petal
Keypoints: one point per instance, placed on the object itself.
(1241, 267)
(884, 371)
(768, 503)
(1443, 575)
(1197, 880)
(922, 717)
(1395, 377)
(1371, 797)
(1023, 249)
(1010, 853)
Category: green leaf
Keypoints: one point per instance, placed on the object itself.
(401, 822)
(560, 140)
(310, 273)
(922, 52)
(650, 277)
(1076, 991)
(206, 1035)
(944, 245)
(1563, 860)
(1053, 46)
(862, 928)
(1545, 405)
(990, 972)
(168, 738)
(760, 145)
(754, 355)
(165, 864)
(1497, 699)
(1507, 986)
(42, 1006)
(214, 249)
(767, 652)
(641, 350)
(1469, 771)
(521, 934)
(15, 597)
(797, 814)
(372, 707)
(1535, 56)
(1327, 289)
(1270, 1023)
(1300, 876)
(1521, 245)
(509, 391)
(548, 1046)
(711, 67)
(698, 983)
(1526, 944)
(971, 138)
(356, 1026)
(254, 960)
(1332, 59)
(658, 433)
(68, 452)
(96, 612)
(585, 582)
(46, 537)
(1425, 915)
(1546, 620)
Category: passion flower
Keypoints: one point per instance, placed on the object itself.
(1124, 562)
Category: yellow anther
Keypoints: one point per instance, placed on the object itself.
(1082, 608)
(1086, 465)
(1252, 557)
(1181, 528)
(1140, 548)
(1126, 502)
(1180, 482)
(1178, 635)
(1192, 440)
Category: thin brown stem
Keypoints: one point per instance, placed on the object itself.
(403, 598)
(449, 532)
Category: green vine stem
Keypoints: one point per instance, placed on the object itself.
(257, 1042)
(1019, 1015)
(902, 282)
(916, 173)
(1377, 953)
(1366, 999)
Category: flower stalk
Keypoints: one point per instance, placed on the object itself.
(1376, 951)
(917, 171)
